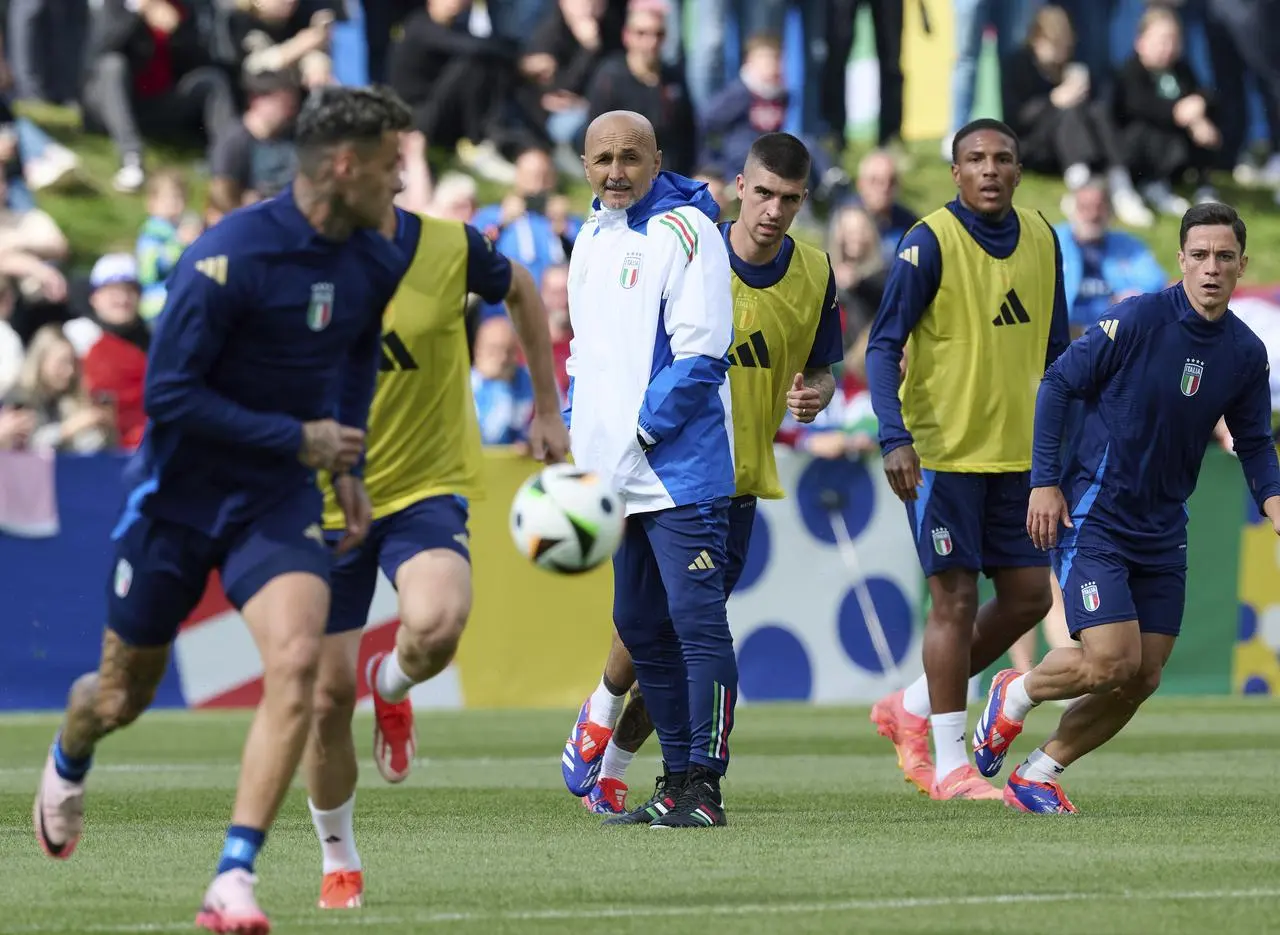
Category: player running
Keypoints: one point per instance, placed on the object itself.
(976, 298)
(1155, 377)
(270, 330)
(424, 463)
(786, 336)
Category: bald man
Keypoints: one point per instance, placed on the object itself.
(877, 186)
(649, 413)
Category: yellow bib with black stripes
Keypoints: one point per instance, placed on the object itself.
(423, 439)
(977, 355)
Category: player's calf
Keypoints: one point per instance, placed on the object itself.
(331, 771)
(99, 703)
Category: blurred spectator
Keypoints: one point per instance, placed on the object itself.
(280, 36)
(43, 37)
(502, 387)
(1245, 35)
(1101, 266)
(1010, 19)
(877, 194)
(559, 60)
(1164, 115)
(42, 291)
(115, 363)
(256, 157)
(519, 226)
(1048, 102)
(415, 173)
(637, 80)
(886, 23)
(458, 84)
(29, 159)
(381, 18)
(31, 231)
(149, 72)
(455, 197)
(50, 388)
(753, 104)
(168, 230)
(10, 343)
(858, 265)
(719, 187)
(17, 422)
(555, 296)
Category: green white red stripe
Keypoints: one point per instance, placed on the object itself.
(686, 233)
(721, 722)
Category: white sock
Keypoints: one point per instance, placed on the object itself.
(336, 829)
(916, 698)
(1040, 767)
(1016, 700)
(949, 750)
(616, 761)
(393, 684)
(605, 706)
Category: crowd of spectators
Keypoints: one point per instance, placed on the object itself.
(503, 91)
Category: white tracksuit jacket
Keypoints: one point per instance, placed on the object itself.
(652, 316)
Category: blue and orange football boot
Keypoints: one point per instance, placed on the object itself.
(994, 732)
(584, 753)
(1029, 795)
(607, 797)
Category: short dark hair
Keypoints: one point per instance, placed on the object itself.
(977, 126)
(333, 115)
(783, 155)
(1212, 214)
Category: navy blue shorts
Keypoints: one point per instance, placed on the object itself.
(162, 568)
(1104, 587)
(433, 523)
(973, 521)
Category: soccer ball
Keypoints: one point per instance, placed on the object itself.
(565, 520)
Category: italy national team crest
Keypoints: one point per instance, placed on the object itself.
(630, 274)
(1089, 593)
(320, 311)
(124, 578)
(1192, 371)
(942, 540)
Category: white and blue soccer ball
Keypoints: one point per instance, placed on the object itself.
(566, 520)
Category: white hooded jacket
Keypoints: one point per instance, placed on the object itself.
(652, 314)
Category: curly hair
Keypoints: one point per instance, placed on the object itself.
(333, 115)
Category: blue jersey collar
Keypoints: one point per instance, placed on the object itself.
(763, 275)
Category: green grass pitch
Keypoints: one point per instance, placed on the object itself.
(1177, 834)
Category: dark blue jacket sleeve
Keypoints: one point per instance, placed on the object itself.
(1080, 372)
(1059, 323)
(912, 284)
(1249, 421)
(199, 317)
(828, 340)
(488, 271)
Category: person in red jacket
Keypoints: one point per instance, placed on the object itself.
(115, 364)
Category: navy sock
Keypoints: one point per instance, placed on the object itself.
(240, 849)
(70, 768)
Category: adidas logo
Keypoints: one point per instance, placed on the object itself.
(215, 267)
(1109, 326)
(743, 355)
(702, 562)
(911, 255)
(1011, 311)
(332, 839)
